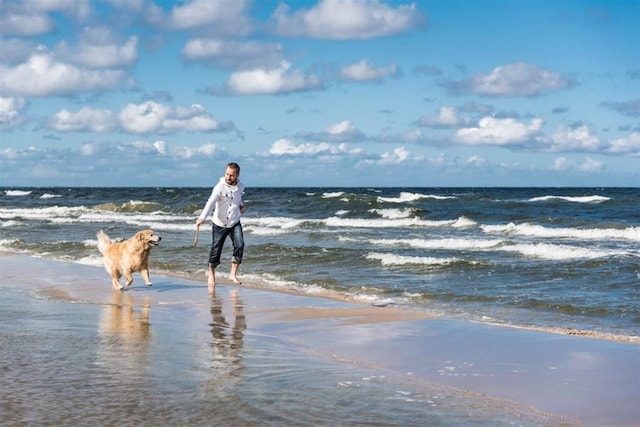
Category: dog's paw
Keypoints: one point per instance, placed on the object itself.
(149, 283)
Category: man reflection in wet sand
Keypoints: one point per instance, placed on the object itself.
(124, 333)
(227, 340)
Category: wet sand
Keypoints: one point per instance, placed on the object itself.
(579, 380)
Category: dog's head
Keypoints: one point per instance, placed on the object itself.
(148, 238)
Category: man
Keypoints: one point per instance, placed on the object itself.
(226, 205)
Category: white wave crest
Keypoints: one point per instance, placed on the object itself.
(464, 222)
(558, 252)
(394, 213)
(391, 259)
(384, 223)
(330, 195)
(16, 193)
(50, 196)
(533, 230)
(405, 197)
(451, 244)
(574, 199)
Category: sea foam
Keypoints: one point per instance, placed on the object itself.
(534, 230)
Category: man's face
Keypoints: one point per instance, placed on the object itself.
(231, 176)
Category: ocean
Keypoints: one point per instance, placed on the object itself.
(536, 258)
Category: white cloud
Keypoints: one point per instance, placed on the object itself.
(154, 117)
(23, 24)
(398, 155)
(285, 147)
(42, 76)
(518, 79)
(560, 163)
(98, 48)
(366, 71)
(31, 17)
(447, 117)
(626, 145)
(233, 54)
(477, 161)
(271, 81)
(493, 131)
(84, 120)
(341, 131)
(218, 17)
(147, 117)
(10, 111)
(342, 127)
(578, 138)
(589, 165)
(347, 19)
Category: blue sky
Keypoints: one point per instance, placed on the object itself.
(320, 93)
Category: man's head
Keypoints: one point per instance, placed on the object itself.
(231, 173)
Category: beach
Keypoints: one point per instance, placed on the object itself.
(76, 352)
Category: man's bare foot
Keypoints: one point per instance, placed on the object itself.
(212, 287)
(235, 280)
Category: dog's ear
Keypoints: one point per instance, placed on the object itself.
(140, 235)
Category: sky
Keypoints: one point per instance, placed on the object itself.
(320, 93)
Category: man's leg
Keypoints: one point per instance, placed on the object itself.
(219, 234)
(237, 238)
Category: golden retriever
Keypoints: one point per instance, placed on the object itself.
(127, 257)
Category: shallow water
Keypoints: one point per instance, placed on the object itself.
(75, 353)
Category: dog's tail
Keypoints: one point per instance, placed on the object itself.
(103, 241)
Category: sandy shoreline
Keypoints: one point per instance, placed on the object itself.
(592, 381)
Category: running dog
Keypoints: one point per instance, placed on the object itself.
(127, 257)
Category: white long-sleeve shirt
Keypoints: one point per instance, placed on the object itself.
(225, 203)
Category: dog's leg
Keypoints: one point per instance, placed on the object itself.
(145, 275)
(128, 278)
(115, 281)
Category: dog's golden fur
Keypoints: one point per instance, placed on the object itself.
(127, 257)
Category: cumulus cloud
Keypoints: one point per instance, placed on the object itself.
(11, 111)
(447, 117)
(41, 76)
(31, 17)
(495, 131)
(347, 19)
(578, 138)
(98, 48)
(366, 71)
(227, 17)
(285, 147)
(341, 131)
(261, 81)
(511, 80)
(625, 145)
(159, 118)
(23, 24)
(588, 165)
(233, 54)
(147, 117)
(84, 120)
(398, 155)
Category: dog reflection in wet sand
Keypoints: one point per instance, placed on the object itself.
(125, 332)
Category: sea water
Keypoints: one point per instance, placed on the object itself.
(542, 258)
